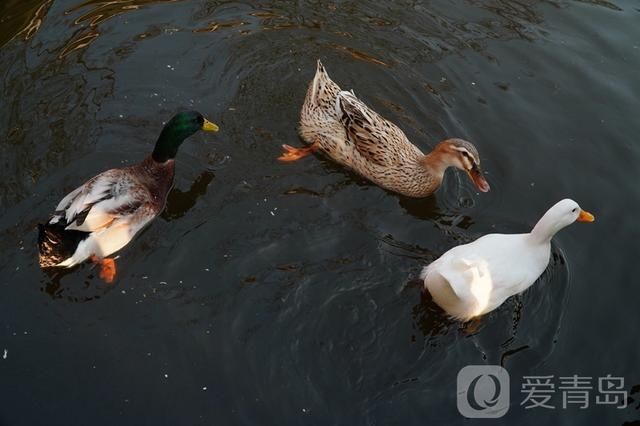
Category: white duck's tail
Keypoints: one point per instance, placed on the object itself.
(424, 273)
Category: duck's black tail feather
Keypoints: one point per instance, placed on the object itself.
(55, 244)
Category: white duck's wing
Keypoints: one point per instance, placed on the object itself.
(108, 197)
(459, 285)
(375, 138)
(484, 273)
(442, 292)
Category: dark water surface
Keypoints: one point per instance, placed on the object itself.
(286, 294)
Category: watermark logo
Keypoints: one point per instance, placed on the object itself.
(483, 391)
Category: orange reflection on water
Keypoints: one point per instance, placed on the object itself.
(99, 12)
(38, 18)
(215, 26)
(22, 18)
(356, 54)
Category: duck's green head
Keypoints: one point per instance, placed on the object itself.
(180, 127)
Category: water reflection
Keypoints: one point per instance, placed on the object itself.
(603, 3)
(99, 11)
(180, 202)
(447, 34)
(43, 115)
(22, 18)
(63, 284)
(402, 249)
(429, 318)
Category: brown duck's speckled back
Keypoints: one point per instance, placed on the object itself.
(355, 136)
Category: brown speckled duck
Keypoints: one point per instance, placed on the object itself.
(339, 124)
(106, 212)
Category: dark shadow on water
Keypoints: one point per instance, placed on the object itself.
(421, 208)
(432, 320)
(402, 249)
(428, 208)
(349, 177)
(511, 352)
(90, 289)
(428, 317)
(635, 389)
(180, 202)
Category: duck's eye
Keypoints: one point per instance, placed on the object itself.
(575, 209)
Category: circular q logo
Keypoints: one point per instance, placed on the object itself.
(483, 391)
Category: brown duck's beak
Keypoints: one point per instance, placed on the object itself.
(476, 176)
(208, 126)
(585, 216)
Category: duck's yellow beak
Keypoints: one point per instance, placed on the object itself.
(208, 126)
(585, 216)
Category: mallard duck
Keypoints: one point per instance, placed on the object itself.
(106, 212)
(473, 279)
(340, 125)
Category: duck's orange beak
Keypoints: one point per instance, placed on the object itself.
(585, 216)
(480, 182)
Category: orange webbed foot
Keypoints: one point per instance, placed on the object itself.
(107, 268)
(293, 154)
(472, 326)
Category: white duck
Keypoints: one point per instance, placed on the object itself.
(473, 279)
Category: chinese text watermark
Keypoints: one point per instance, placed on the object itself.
(484, 391)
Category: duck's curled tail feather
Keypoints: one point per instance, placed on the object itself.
(56, 244)
(322, 90)
(321, 74)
